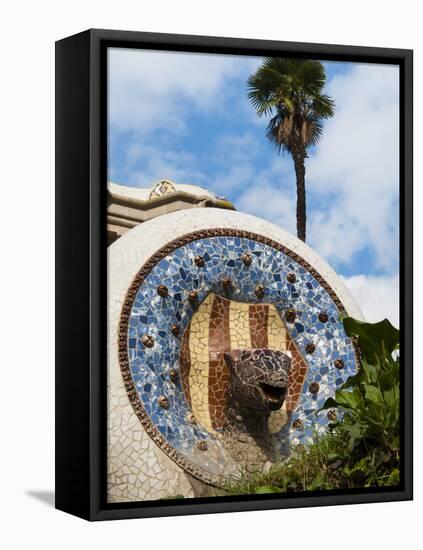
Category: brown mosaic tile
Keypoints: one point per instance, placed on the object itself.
(147, 340)
(290, 315)
(314, 387)
(259, 291)
(296, 377)
(226, 283)
(331, 415)
(163, 402)
(310, 348)
(202, 445)
(175, 329)
(173, 375)
(258, 314)
(323, 317)
(162, 291)
(247, 258)
(185, 364)
(199, 261)
(291, 278)
(339, 364)
(219, 342)
(193, 297)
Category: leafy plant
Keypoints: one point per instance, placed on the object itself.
(362, 446)
(370, 403)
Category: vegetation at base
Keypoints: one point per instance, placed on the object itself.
(361, 448)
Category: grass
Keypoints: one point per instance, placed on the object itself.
(317, 467)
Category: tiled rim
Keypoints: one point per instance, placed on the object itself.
(138, 280)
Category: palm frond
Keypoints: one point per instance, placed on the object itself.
(323, 105)
(291, 92)
(264, 90)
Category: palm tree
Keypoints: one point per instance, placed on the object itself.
(291, 92)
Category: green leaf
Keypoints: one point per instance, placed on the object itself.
(374, 339)
(264, 489)
(354, 380)
(374, 394)
(389, 378)
(394, 477)
(349, 399)
(317, 483)
(382, 456)
(332, 457)
(329, 404)
(371, 373)
(342, 315)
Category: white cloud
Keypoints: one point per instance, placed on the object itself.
(272, 204)
(268, 193)
(356, 168)
(235, 148)
(235, 177)
(147, 88)
(144, 164)
(378, 297)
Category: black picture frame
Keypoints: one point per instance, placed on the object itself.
(81, 267)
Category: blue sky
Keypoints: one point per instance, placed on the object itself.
(186, 117)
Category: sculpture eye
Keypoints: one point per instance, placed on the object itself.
(229, 359)
(233, 356)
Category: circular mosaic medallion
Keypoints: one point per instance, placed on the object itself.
(219, 297)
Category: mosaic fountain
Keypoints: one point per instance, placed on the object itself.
(224, 342)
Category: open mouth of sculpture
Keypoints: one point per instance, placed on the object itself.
(274, 395)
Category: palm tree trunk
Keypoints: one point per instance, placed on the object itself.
(301, 195)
